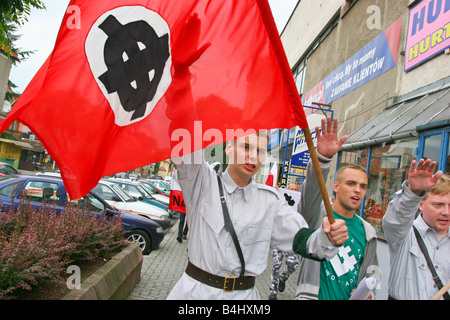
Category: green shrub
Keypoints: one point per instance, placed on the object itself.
(38, 246)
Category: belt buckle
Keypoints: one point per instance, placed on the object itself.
(229, 282)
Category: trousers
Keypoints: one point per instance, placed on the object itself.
(292, 261)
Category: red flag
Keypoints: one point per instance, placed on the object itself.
(112, 93)
(176, 202)
(273, 176)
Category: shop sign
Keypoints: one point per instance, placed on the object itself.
(300, 152)
(284, 177)
(377, 57)
(428, 31)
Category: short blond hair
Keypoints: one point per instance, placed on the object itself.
(442, 186)
(349, 166)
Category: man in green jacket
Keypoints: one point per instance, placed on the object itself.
(337, 278)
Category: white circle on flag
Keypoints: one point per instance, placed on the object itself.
(95, 44)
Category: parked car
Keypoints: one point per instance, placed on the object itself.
(119, 199)
(153, 189)
(163, 186)
(137, 191)
(6, 168)
(50, 190)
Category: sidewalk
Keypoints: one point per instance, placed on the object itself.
(162, 268)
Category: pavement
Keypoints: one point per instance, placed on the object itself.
(163, 267)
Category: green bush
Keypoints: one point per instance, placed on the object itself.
(38, 246)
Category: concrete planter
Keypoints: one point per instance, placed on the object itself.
(115, 280)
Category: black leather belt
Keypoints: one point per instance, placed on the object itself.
(228, 284)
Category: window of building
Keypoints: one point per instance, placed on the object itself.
(388, 167)
(299, 75)
(434, 145)
(447, 157)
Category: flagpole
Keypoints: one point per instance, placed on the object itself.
(441, 292)
(319, 175)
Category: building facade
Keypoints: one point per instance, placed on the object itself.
(383, 69)
(367, 62)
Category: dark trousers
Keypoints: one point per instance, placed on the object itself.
(182, 232)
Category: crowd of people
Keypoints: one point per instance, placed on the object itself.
(234, 223)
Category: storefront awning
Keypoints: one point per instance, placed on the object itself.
(402, 119)
(17, 143)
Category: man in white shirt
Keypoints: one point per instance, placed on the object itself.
(410, 277)
(261, 219)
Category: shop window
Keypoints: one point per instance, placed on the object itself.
(447, 157)
(354, 157)
(434, 145)
(388, 167)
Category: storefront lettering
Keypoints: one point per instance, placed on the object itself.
(428, 31)
(434, 11)
(434, 39)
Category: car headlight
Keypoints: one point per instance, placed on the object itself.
(159, 230)
(164, 217)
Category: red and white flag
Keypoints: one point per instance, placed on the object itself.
(121, 81)
(273, 176)
(176, 202)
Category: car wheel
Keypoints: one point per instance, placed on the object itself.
(141, 239)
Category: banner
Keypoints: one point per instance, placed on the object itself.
(176, 202)
(377, 57)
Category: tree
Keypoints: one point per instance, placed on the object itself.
(16, 12)
(10, 38)
(11, 95)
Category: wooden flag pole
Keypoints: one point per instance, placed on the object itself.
(441, 292)
(319, 175)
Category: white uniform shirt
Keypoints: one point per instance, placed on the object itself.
(261, 220)
(410, 278)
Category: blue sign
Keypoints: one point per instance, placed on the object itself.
(377, 57)
(300, 152)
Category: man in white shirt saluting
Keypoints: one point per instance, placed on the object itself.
(260, 218)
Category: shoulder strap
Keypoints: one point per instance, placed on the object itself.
(229, 226)
(436, 278)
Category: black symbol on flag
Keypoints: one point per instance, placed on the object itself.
(289, 199)
(135, 57)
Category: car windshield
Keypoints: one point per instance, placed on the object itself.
(149, 188)
(145, 191)
(122, 193)
(166, 184)
(7, 169)
(89, 202)
(159, 185)
(4, 178)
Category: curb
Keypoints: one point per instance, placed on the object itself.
(115, 280)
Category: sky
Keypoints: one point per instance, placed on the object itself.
(39, 34)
